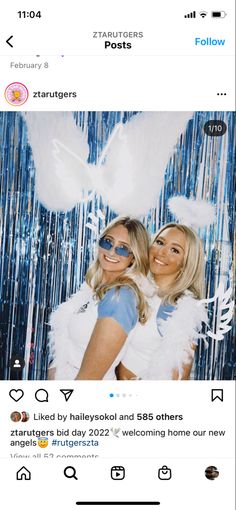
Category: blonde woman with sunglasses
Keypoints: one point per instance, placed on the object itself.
(164, 347)
(89, 332)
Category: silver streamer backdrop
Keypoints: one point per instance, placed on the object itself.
(45, 255)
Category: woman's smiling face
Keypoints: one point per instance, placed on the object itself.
(167, 254)
(109, 260)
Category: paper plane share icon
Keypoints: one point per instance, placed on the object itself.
(67, 394)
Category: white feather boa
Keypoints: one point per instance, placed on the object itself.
(180, 332)
(60, 344)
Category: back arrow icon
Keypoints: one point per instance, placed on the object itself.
(8, 41)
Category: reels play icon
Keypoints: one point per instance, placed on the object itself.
(117, 473)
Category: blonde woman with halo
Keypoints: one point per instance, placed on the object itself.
(89, 332)
(164, 347)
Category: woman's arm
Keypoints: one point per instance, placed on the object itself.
(107, 339)
(185, 373)
(117, 315)
(124, 373)
(186, 369)
(51, 374)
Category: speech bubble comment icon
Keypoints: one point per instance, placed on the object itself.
(41, 395)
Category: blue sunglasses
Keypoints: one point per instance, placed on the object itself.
(107, 244)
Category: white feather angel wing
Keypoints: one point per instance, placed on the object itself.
(221, 302)
(135, 160)
(60, 151)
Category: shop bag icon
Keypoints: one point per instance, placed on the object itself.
(164, 473)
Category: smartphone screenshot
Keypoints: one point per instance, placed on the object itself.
(117, 254)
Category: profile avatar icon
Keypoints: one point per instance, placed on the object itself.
(24, 416)
(16, 94)
(211, 472)
(15, 416)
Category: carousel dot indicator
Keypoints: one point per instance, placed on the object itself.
(111, 395)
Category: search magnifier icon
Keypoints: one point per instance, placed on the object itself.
(70, 472)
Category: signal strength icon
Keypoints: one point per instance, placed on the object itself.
(190, 15)
(203, 14)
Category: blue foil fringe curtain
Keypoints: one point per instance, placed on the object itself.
(45, 255)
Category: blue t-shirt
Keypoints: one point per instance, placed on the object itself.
(164, 312)
(120, 305)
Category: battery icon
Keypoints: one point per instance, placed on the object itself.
(218, 14)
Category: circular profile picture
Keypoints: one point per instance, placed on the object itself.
(211, 472)
(16, 94)
(24, 416)
(15, 416)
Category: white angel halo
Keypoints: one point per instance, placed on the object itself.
(193, 213)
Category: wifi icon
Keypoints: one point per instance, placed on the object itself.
(203, 14)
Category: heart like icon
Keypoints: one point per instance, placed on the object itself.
(16, 394)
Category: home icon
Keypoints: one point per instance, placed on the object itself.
(23, 474)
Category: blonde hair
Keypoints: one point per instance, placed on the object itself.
(139, 245)
(191, 276)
